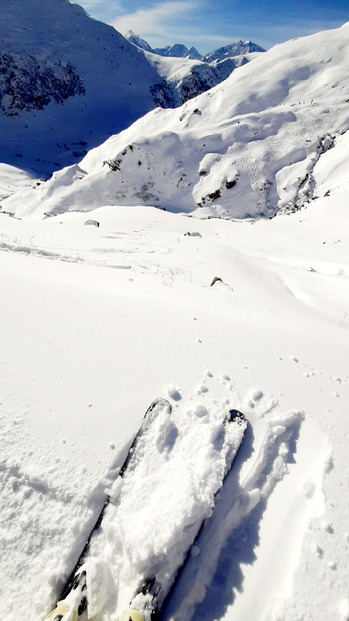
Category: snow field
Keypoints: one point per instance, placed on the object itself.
(89, 347)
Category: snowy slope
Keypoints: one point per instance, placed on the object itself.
(12, 179)
(178, 50)
(67, 83)
(135, 39)
(238, 48)
(189, 78)
(246, 148)
(96, 322)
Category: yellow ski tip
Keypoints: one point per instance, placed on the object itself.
(58, 613)
(132, 615)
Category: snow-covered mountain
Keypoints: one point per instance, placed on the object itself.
(76, 81)
(96, 323)
(244, 149)
(189, 74)
(102, 312)
(138, 41)
(238, 48)
(187, 78)
(178, 50)
(67, 82)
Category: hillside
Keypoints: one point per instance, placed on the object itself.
(68, 78)
(187, 78)
(75, 81)
(247, 148)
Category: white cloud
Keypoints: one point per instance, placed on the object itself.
(88, 4)
(160, 19)
(163, 23)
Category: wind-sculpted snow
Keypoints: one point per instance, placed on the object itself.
(245, 149)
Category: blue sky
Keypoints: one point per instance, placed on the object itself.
(208, 24)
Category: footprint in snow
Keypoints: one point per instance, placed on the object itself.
(174, 393)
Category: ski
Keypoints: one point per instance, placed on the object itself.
(164, 492)
(147, 603)
(72, 604)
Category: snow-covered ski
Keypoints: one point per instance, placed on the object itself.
(164, 491)
(72, 604)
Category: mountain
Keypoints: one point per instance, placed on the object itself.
(189, 74)
(138, 41)
(67, 80)
(245, 149)
(239, 48)
(211, 314)
(76, 81)
(178, 51)
(187, 78)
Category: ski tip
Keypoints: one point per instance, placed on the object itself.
(132, 615)
(60, 613)
(237, 416)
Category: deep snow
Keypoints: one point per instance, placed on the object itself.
(96, 322)
(99, 321)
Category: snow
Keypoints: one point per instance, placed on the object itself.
(246, 148)
(13, 178)
(171, 68)
(158, 506)
(110, 318)
(53, 36)
(97, 322)
(75, 81)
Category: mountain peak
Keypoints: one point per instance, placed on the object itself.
(135, 39)
(237, 48)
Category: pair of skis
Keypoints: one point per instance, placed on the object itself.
(150, 508)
